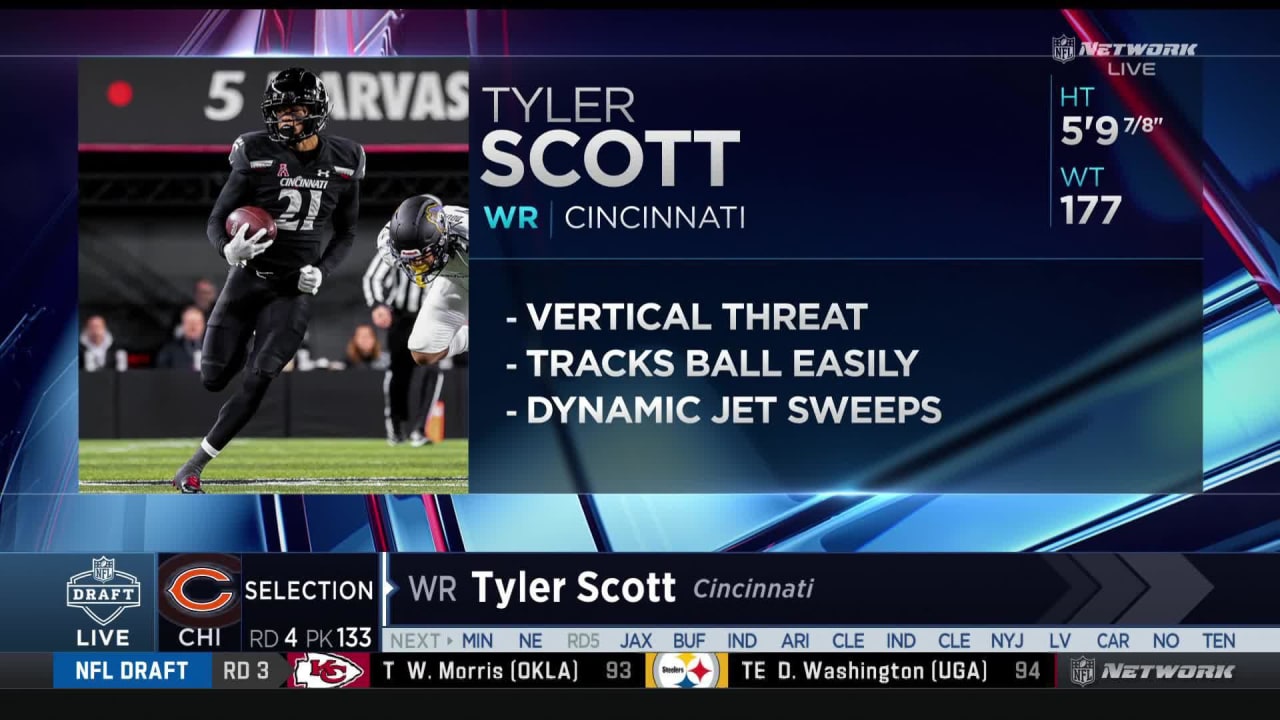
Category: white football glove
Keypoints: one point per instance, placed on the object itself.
(309, 279)
(242, 249)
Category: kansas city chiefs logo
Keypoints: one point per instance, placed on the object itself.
(322, 670)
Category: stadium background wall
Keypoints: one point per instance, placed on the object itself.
(173, 403)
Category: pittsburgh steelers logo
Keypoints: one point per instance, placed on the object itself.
(686, 670)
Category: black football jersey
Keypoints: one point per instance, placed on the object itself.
(312, 196)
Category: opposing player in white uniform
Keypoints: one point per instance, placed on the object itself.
(430, 242)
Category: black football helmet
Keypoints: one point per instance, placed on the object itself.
(295, 86)
(418, 239)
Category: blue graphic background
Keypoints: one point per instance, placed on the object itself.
(39, 512)
(956, 314)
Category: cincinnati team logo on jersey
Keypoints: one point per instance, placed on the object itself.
(283, 171)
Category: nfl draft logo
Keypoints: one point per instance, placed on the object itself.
(283, 171)
(103, 592)
(1064, 48)
(1083, 671)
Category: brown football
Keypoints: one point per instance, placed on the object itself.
(256, 217)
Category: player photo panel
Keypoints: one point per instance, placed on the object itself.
(266, 335)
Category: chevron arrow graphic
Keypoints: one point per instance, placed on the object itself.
(1176, 588)
(1118, 587)
(1079, 589)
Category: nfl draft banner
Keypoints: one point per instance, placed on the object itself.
(203, 104)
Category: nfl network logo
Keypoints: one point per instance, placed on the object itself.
(1083, 671)
(103, 592)
(1064, 48)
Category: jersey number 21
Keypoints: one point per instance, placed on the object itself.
(288, 220)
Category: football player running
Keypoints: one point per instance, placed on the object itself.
(310, 183)
(430, 242)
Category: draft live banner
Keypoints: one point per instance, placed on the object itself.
(669, 621)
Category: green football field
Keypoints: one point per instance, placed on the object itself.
(278, 465)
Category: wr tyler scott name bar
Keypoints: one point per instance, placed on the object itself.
(503, 592)
(295, 590)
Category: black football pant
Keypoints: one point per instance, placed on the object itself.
(398, 384)
(270, 312)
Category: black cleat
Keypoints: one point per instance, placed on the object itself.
(187, 481)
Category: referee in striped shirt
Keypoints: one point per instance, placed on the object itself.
(394, 299)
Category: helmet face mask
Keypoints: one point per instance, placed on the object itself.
(423, 266)
(295, 87)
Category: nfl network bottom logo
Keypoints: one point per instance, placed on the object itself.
(103, 592)
(1084, 671)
